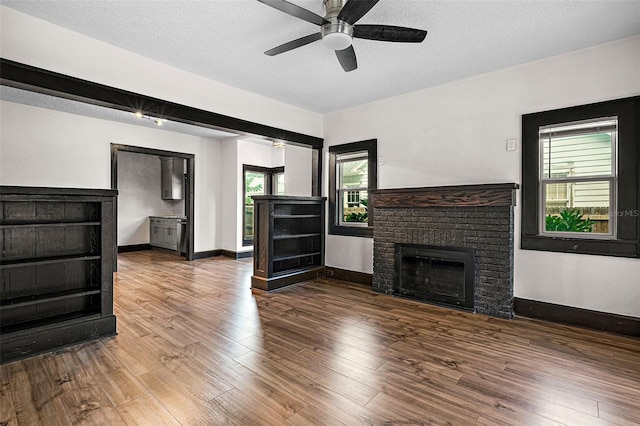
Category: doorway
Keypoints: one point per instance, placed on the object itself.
(189, 193)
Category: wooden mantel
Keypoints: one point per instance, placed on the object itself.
(487, 195)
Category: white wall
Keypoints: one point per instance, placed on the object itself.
(228, 195)
(297, 170)
(456, 134)
(138, 196)
(277, 156)
(40, 147)
(33, 41)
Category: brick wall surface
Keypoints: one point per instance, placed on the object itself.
(488, 230)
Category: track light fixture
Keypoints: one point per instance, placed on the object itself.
(158, 121)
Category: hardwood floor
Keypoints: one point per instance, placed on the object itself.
(195, 346)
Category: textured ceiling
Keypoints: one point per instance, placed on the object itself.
(224, 40)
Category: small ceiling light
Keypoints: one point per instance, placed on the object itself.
(278, 144)
(158, 121)
(336, 34)
(336, 41)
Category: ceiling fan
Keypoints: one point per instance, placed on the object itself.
(338, 27)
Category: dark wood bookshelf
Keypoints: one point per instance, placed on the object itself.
(56, 268)
(288, 241)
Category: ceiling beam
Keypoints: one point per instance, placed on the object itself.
(22, 76)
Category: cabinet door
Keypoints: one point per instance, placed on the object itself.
(155, 235)
(169, 240)
(173, 240)
(166, 187)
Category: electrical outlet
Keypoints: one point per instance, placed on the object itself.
(381, 161)
(511, 145)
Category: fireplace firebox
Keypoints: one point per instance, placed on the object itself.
(435, 274)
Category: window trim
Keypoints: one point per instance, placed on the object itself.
(335, 227)
(269, 172)
(627, 243)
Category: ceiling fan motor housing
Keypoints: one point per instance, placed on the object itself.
(336, 34)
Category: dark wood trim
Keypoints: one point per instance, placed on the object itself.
(222, 252)
(236, 254)
(288, 198)
(316, 172)
(133, 247)
(150, 151)
(54, 337)
(39, 80)
(189, 200)
(190, 206)
(350, 276)
(269, 284)
(615, 248)
(502, 194)
(207, 254)
(628, 210)
(44, 193)
(595, 320)
(371, 146)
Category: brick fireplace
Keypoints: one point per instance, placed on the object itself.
(470, 217)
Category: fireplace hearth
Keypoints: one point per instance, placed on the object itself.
(476, 219)
(435, 274)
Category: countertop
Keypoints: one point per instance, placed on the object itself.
(169, 217)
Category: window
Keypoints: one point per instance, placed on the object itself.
(352, 176)
(278, 183)
(353, 199)
(580, 179)
(258, 181)
(352, 173)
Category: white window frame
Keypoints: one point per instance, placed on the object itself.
(572, 129)
(341, 191)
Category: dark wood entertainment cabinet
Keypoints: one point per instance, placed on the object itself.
(288, 240)
(57, 268)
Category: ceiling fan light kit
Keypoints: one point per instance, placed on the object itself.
(336, 35)
(338, 27)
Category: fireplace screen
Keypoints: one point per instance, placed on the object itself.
(435, 274)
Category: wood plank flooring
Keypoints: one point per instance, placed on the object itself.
(196, 346)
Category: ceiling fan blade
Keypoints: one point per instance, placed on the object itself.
(389, 33)
(293, 44)
(353, 10)
(347, 58)
(295, 10)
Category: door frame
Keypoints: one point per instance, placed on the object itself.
(189, 201)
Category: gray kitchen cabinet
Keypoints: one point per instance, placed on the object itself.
(155, 232)
(172, 175)
(169, 236)
(165, 232)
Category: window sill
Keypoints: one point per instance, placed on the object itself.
(351, 231)
(618, 248)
